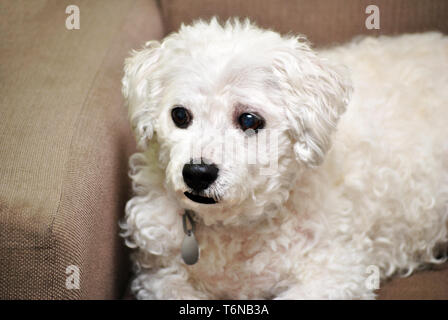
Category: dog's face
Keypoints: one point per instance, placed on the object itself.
(237, 112)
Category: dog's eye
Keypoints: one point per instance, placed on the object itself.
(250, 121)
(180, 116)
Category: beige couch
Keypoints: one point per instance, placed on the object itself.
(65, 140)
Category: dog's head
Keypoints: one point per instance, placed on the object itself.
(236, 112)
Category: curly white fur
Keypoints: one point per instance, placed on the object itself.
(378, 196)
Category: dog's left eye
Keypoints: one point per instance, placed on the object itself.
(250, 121)
(181, 116)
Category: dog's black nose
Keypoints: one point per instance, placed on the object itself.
(199, 176)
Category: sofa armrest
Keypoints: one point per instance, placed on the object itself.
(65, 142)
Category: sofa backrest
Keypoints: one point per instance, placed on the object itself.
(324, 22)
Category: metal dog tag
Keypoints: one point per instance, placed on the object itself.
(190, 248)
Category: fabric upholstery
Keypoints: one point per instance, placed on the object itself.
(64, 144)
(323, 21)
(430, 284)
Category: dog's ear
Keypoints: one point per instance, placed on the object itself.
(315, 93)
(139, 86)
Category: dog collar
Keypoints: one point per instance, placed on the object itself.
(190, 248)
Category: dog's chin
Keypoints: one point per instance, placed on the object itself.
(199, 199)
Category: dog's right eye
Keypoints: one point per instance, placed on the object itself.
(250, 121)
(180, 116)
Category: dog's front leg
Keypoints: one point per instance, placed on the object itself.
(153, 226)
(328, 290)
(332, 273)
(168, 283)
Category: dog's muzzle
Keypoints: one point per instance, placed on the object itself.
(199, 177)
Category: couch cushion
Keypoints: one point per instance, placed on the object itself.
(428, 284)
(64, 144)
(322, 21)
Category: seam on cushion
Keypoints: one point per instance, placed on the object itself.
(84, 104)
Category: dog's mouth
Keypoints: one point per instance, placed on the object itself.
(199, 199)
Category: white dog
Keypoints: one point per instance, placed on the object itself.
(303, 220)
